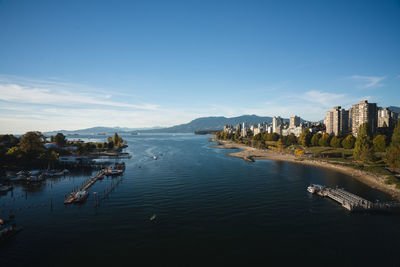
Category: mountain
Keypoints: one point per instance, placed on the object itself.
(211, 123)
(395, 109)
(100, 129)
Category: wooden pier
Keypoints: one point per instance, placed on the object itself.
(356, 203)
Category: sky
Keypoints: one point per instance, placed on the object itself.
(79, 64)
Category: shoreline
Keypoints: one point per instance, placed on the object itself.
(251, 154)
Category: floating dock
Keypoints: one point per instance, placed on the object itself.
(353, 202)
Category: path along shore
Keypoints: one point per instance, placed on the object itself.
(251, 153)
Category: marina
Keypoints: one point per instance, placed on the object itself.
(81, 195)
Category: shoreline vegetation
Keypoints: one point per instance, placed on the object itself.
(371, 157)
(34, 150)
(251, 153)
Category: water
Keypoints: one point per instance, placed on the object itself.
(211, 209)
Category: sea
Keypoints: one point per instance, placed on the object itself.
(196, 206)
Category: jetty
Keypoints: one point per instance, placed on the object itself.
(112, 170)
(353, 202)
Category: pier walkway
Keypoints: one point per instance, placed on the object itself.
(353, 202)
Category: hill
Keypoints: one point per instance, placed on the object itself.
(100, 129)
(211, 123)
(395, 109)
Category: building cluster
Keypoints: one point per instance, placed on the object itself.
(342, 121)
(294, 126)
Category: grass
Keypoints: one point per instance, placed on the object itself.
(391, 179)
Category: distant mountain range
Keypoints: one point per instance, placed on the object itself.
(211, 123)
(395, 109)
(200, 124)
(95, 130)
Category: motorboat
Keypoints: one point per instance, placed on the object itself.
(314, 188)
(155, 157)
(81, 196)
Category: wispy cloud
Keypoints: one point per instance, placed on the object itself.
(368, 81)
(36, 95)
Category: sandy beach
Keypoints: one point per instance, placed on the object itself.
(250, 154)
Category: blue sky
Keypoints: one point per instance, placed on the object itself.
(77, 64)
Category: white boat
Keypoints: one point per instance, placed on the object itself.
(154, 157)
(81, 196)
(313, 188)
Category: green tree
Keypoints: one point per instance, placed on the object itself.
(325, 140)
(292, 139)
(8, 140)
(274, 137)
(349, 141)
(393, 157)
(60, 139)
(280, 145)
(380, 143)
(305, 137)
(336, 142)
(315, 139)
(32, 143)
(396, 136)
(258, 137)
(363, 147)
(393, 153)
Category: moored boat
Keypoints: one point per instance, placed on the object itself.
(8, 228)
(314, 188)
(81, 196)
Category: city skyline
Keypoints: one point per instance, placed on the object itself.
(145, 64)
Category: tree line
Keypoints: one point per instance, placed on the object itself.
(29, 151)
(364, 146)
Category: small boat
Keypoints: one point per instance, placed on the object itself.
(155, 157)
(313, 188)
(153, 217)
(8, 228)
(81, 196)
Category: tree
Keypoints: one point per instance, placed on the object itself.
(315, 139)
(292, 139)
(393, 157)
(324, 140)
(393, 153)
(396, 136)
(258, 137)
(363, 147)
(349, 142)
(8, 140)
(274, 137)
(380, 142)
(336, 142)
(280, 145)
(305, 137)
(32, 143)
(60, 139)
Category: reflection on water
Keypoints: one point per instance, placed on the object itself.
(210, 209)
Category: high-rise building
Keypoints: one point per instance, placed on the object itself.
(244, 130)
(276, 123)
(364, 113)
(337, 121)
(386, 117)
(294, 122)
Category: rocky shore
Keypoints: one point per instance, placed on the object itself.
(250, 154)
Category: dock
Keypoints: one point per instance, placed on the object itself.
(112, 170)
(356, 203)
